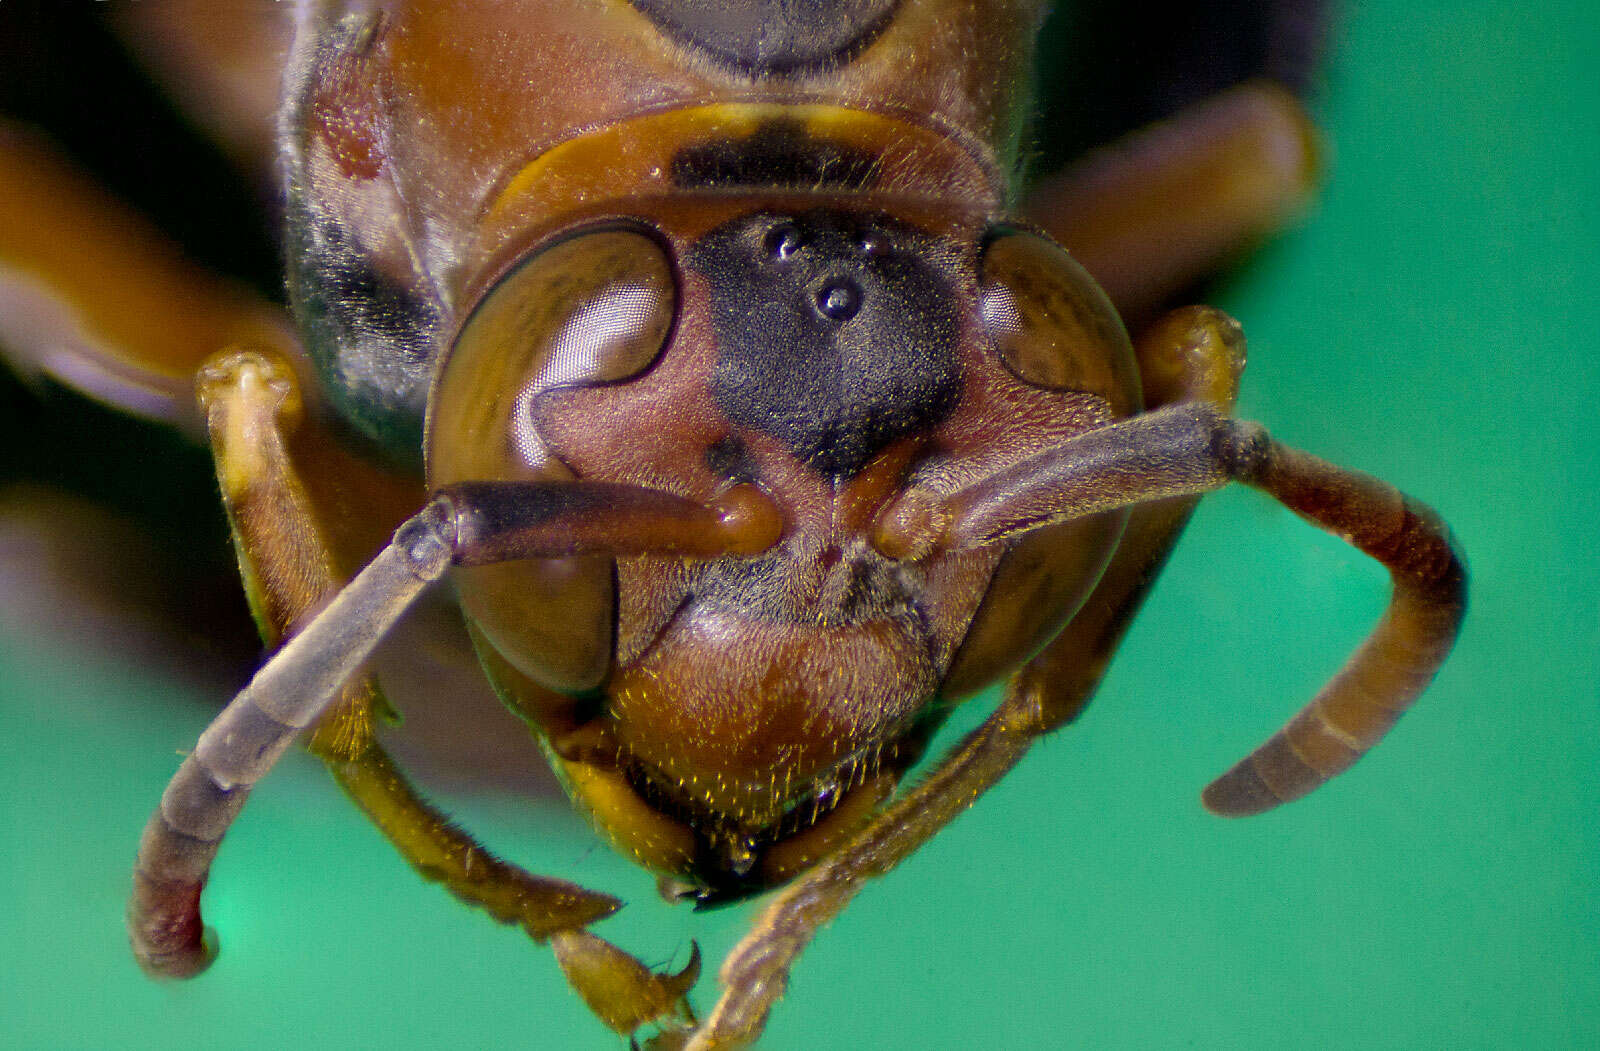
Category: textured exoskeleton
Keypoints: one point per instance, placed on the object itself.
(712, 350)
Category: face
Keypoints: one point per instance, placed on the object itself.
(735, 716)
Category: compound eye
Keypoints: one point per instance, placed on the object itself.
(596, 306)
(1051, 324)
(591, 308)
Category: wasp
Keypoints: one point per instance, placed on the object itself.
(712, 356)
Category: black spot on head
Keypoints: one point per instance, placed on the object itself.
(836, 331)
(730, 460)
(779, 153)
(371, 336)
(759, 37)
(371, 305)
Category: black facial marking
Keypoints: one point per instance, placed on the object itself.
(373, 329)
(759, 37)
(371, 337)
(836, 331)
(730, 460)
(779, 153)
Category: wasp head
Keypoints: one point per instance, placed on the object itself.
(749, 709)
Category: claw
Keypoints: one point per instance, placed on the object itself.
(621, 991)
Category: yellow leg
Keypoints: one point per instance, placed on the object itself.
(290, 565)
(1191, 355)
(95, 297)
(251, 403)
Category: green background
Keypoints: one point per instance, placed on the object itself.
(1432, 321)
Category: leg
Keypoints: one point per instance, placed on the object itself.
(754, 974)
(1153, 214)
(82, 277)
(250, 401)
(224, 66)
(1190, 449)
(1169, 456)
(1193, 355)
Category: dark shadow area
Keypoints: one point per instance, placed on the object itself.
(1107, 67)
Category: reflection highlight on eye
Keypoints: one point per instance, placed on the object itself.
(619, 317)
(1001, 319)
(1051, 324)
(592, 308)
